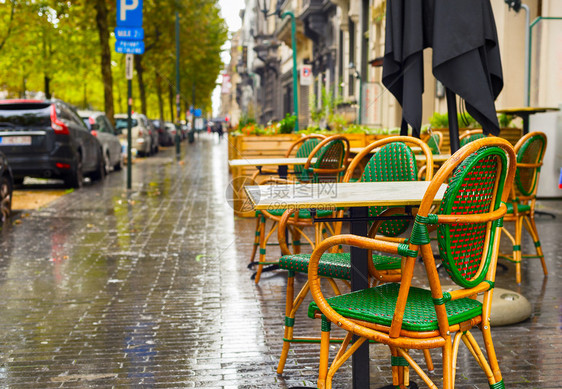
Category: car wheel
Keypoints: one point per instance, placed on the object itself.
(5, 199)
(74, 180)
(99, 173)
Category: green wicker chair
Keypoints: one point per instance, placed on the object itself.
(405, 317)
(394, 161)
(435, 142)
(470, 136)
(303, 147)
(326, 162)
(521, 206)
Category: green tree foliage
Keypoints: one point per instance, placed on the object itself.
(53, 46)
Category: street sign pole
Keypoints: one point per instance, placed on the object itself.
(130, 35)
(178, 109)
(129, 76)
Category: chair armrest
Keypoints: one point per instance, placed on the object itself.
(315, 286)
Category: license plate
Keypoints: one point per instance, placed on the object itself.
(15, 140)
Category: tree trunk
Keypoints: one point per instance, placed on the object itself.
(171, 100)
(140, 80)
(103, 31)
(10, 24)
(160, 96)
(47, 87)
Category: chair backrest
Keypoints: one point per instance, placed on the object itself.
(470, 136)
(326, 162)
(530, 152)
(475, 188)
(393, 161)
(435, 141)
(306, 147)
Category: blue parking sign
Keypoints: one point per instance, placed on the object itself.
(129, 47)
(129, 13)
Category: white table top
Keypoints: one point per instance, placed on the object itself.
(330, 195)
(439, 158)
(267, 161)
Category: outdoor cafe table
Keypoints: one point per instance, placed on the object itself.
(525, 112)
(281, 163)
(358, 196)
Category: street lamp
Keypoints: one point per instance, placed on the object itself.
(357, 75)
(264, 8)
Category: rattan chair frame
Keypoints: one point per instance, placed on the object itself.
(446, 336)
(292, 302)
(470, 136)
(526, 197)
(260, 220)
(300, 223)
(437, 138)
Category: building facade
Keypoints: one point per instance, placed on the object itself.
(343, 42)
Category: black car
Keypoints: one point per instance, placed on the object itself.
(47, 138)
(6, 189)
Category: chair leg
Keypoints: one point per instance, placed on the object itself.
(259, 221)
(532, 229)
(296, 241)
(492, 368)
(517, 249)
(291, 306)
(324, 354)
(263, 244)
(289, 324)
(428, 360)
(448, 364)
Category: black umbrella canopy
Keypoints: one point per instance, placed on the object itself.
(466, 57)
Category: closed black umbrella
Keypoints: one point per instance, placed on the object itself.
(466, 58)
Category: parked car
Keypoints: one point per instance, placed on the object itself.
(164, 138)
(100, 126)
(171, 129)
(154, 142)
(141, 140)
(6, 189)
(47, 138)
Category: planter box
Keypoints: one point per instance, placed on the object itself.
(370, 138)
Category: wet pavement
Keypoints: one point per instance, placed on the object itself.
(110, 288)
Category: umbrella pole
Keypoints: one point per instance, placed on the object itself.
(404, 127)
(453, 120)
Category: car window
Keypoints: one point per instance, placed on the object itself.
(121, 123)
(63, 113)
(109, 126)
(86, 121)
(102, 126)
(73, 117)
(35, 115)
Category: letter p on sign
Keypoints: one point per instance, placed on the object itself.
(129, 13)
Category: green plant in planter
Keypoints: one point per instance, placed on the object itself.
(246, 120)
(287, 124)
(505, 120)
(441, 120)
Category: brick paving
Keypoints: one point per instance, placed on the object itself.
(104, 288)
